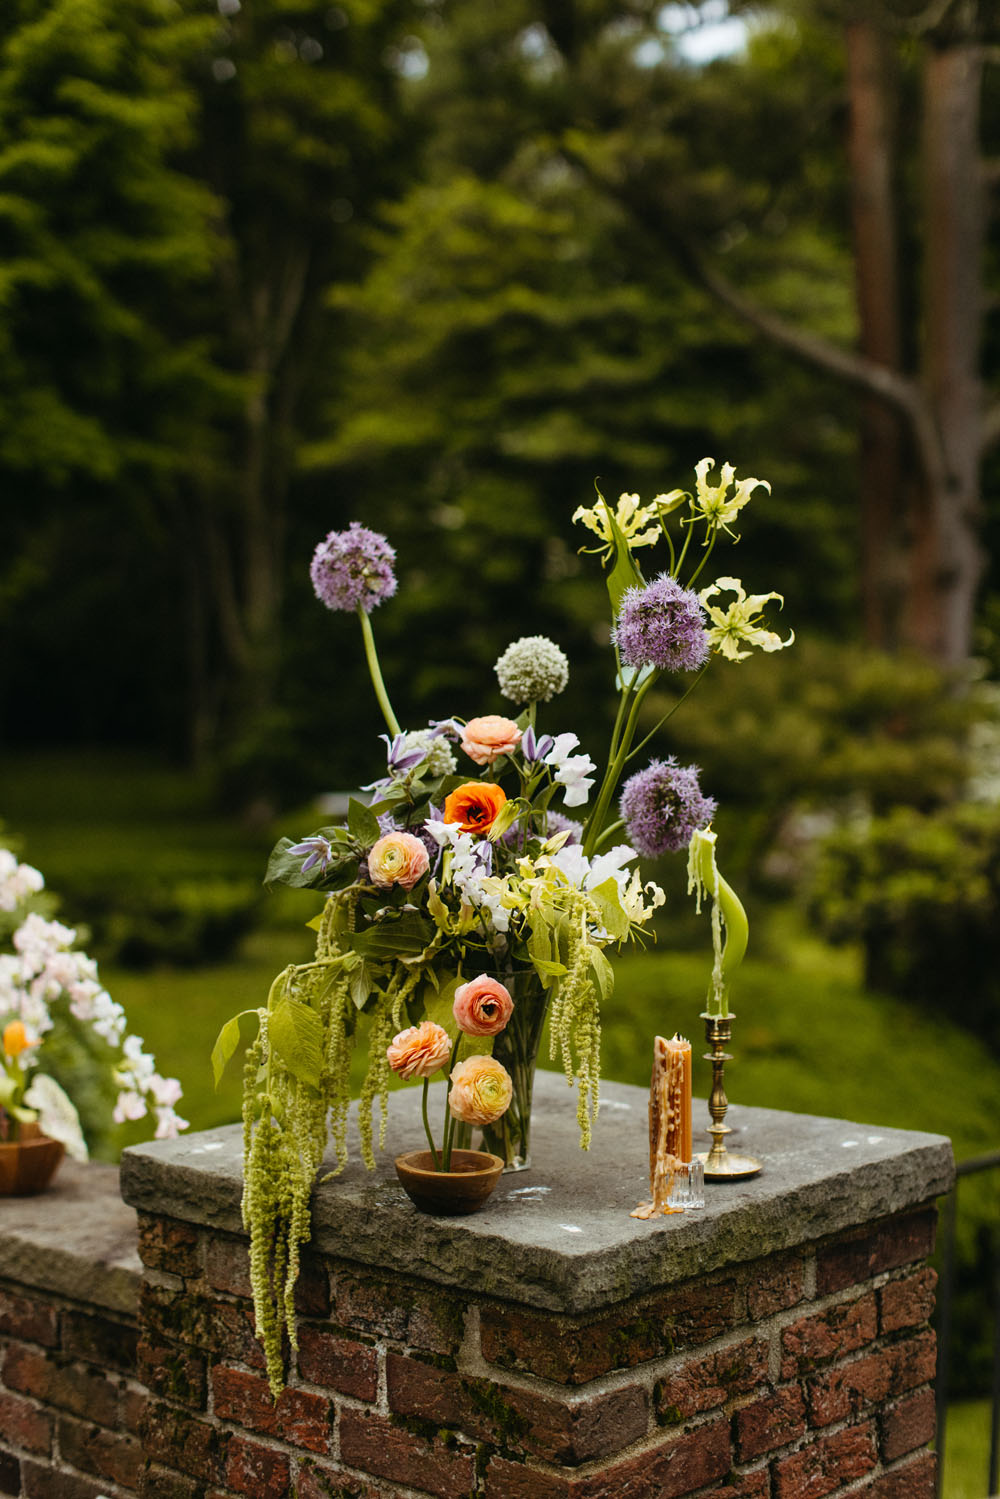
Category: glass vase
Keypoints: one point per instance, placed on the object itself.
(516, 1048)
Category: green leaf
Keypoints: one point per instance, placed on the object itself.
(363, 823)
(548, 968)
(624, 573)
(284, 868)
(226, 1043)
(361, 983)
(604, 974)
(607, 899)
(405, 936)
(296, 1034)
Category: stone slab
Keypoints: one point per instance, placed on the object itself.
(559, 1235)
(76, 1239)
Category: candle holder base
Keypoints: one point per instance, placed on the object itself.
(728, 1167)
(687, 1187)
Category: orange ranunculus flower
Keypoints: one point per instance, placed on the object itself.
(474, 806)
(486, 739)
(481, 1090)
(15, 1038)
(420, 1050)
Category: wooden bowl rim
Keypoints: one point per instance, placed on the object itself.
(492, 1164)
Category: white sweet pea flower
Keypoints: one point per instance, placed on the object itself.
(130, 1105)
(573, 772)
(742, 622)
(57, 1117)
(713, 503)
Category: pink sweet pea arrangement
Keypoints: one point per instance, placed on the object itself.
(477, 887)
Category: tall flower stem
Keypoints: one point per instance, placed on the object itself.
(670, 712)
(427, 1127)
(612, 775)
(375, 672)
(449, 1118)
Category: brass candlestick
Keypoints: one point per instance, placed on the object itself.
(720, 1165)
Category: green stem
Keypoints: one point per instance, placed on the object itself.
(594, 824)
(687, 543)
(701, 564)
(376, 673)
(608, 833)
(670, 712)
(427, 1127)
(449, 1120)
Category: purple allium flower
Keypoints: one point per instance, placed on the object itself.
(663, 805)
(352, 568)
(557, 823)
(662, 625)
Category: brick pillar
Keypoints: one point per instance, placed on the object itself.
(772, 1346)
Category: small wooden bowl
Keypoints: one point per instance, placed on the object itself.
(463, 1189)
(29, 1164)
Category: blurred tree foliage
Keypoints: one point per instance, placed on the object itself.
(270, 268)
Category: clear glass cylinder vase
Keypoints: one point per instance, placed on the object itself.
(516, 1048)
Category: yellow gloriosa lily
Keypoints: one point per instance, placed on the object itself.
(713, 502)
(742, 622)
(630, 517)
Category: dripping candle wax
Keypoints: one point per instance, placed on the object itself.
(669, 1121)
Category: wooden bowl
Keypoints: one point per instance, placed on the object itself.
(463, 1189)
(29, 1164)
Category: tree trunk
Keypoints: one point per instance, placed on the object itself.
(876, 260)
(946, 560)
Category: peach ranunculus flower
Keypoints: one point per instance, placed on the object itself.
(474, 806)
(420, 1050)
(15, 1038)
(486, 739)
(482, 1007)
(397, 859)
(481, 1090)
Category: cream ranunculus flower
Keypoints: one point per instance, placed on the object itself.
(742, 622)
(713, 503)
(481, 1090)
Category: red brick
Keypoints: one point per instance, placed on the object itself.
(908, 1302)
(201, 1322)
(318, 1482)
(753, 1485)
(24, 1424)
(677, 1466)
(100, 1340)
(703, 1383)
(373, 1444)
(772, 1422)
(774, 1285)
(401, 1310)
(173, 1373)
(911, 1480)
(827, 1335)
(46, 1482)
(133, 1409)
(166, 1244)
(260, 1472)
(569, 1431)
(93, 1449)
(850, 1388)
(907, 1425)
(826, 1464)
(299, 1418)
(886, 1246)
(162, 1483)
(177, 1439)
(573, 1351)
(70, 1386)
(10, 1474)
(34, 1321)
(227, 1265)
(327, 1359)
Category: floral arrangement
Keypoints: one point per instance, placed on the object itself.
(466, 861)
(49, 988)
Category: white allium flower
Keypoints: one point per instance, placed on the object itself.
(440, 759)
(532, 670)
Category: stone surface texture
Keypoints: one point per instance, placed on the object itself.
(773, 1346)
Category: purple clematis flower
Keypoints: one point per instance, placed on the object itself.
(317, 850)
(535, 749)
